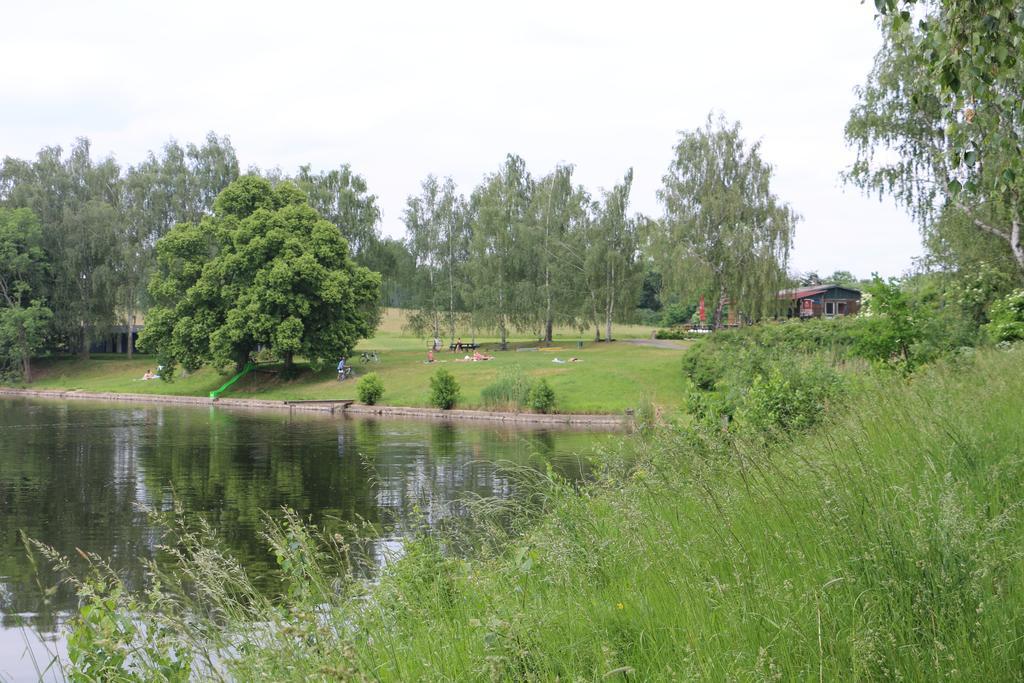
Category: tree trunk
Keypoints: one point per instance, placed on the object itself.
(548, 329)
(26, 360)
(131, 333)
(83, 349)
(289, 361)
(717, 322)
(608, 318)
(1016, 246)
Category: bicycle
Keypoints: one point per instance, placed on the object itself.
(344, 373)
(369, 357)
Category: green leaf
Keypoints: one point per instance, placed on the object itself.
(954, 187)
(971, 157)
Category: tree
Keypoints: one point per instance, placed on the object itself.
(179, 186)
(810, 279)
(90, 260)
(24, 319)
(895, 325)
(842, 277)
(392, 259)
(77, 202)
(613, 266)
(554, 207)
(944, 95)
(343, 198)
(725, 233)
(264, 270)
(498, 259)
(438, 238)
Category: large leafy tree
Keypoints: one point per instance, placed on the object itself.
(264, 270)
(940, 126)
(725, 232)
(24, 317)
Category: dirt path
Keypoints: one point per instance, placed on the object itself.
(660, 343)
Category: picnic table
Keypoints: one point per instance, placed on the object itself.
(467, 346)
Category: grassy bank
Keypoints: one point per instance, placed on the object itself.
(884, 544)
(608, 378)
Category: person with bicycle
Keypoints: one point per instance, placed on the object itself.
(342, 370)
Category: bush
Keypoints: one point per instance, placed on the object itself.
(675, 333)
(677, 314)
(444, 390)
(792, 398)
(369, 389)
(542, 397)
(510, 390)
(1007, 318)
(748, 350)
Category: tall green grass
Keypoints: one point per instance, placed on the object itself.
(885, 544)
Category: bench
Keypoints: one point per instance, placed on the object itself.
(464, 346)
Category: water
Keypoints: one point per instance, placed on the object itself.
(72, 474)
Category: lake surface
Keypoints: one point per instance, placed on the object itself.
(73, 475)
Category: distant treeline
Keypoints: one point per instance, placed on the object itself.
(521, 252)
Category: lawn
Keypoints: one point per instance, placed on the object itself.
(608, 378)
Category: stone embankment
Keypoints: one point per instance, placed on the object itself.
(344, 407)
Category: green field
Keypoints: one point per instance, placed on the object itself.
(608, 378)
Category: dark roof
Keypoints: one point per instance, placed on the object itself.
(804, 292)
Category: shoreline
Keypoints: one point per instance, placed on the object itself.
(565, 419)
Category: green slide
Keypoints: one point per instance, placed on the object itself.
(217, 392)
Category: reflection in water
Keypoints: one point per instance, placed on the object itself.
(74, 474)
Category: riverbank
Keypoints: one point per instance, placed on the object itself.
(339, 407)
(882, 544)
(605, 378)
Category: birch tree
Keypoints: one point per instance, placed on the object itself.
(501, 207)
(725, 233)
(24, 317)
(343, 197)
(556, 281)
(939, 125)
(437, 235)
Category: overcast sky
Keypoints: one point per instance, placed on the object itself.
(400, 90)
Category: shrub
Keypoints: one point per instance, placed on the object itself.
(1007, 318)
(444, 390)
(677, 314)
(675, 333)
(791, 398)
(542, 397)
(369, 389)
(510, 390)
